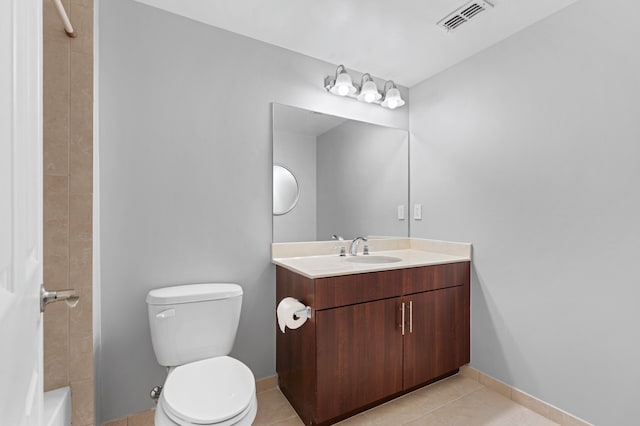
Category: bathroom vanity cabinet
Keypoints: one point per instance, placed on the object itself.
(372, 336)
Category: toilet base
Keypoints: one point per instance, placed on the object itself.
(161, 418)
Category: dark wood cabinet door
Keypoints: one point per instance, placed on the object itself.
(359, 356)
(434, 342)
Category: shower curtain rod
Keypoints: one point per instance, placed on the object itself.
(68, 28)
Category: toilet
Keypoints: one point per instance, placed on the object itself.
(193, 328)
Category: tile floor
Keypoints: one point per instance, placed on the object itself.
(458, 401)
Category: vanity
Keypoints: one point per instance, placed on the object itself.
(377, 330)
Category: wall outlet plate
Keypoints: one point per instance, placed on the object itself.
(417, 212)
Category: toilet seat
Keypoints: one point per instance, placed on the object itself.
(215, 391)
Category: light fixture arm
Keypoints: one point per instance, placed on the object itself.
(330, 82)
(365, 77)
(385, 89)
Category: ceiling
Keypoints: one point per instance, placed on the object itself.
(396, 40)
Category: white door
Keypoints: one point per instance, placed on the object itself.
(20, 212)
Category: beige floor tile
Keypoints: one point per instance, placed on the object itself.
(428, 420)
(399, 411)
(526, 417)
(456, 401)
(358, 420)
(291, 421)
(442, 393)
(459, 384)
(465, 411)
(273, 407)
(145, 418)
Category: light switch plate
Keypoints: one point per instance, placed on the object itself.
(401, 212)
(417, 212)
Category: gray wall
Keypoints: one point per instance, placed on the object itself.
(531, 150)
(185, 178)
(298, 153)
(362, 179)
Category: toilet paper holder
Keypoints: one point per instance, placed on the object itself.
(302, 313)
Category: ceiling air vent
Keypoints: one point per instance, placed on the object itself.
(463, 14)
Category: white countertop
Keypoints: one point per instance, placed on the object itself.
(321, 266)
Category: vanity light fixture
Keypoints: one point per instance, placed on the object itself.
(342, 85)
(392, 98)
(368, 90)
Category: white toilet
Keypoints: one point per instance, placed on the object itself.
(193, 328)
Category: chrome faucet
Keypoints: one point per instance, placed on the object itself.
(353, 251)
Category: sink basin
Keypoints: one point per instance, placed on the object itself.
(373, 259)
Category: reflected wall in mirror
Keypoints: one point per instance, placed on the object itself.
(352, 176)
(285, 190)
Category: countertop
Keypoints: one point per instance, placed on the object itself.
(321, 266)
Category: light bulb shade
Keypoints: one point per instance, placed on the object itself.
(343, 85)
(369, 92)
(392, 99)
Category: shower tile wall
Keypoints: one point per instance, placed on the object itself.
(68, 193)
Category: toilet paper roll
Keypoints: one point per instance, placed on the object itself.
(286, 308)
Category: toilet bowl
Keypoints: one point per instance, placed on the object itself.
(193, 328)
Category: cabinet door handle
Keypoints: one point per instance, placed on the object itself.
(402, 320)
(411, 316)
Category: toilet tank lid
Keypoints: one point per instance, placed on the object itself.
(190, 293)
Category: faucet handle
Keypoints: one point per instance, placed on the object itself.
(343, 251)
(365, 250)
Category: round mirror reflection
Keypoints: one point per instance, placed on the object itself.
(285, 190)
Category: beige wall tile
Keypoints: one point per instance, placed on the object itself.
(56, 346)
(80, 356)
(56, 240)
(80, 217)
(52, 25)
(86, 3)
(82, 402)
(55, 86)
(81, 16)
(56, 184)
(81, 317)
(55, 157)
(80, 172)
(530, 402)
(56, 271)
(494, 385)
(144, 418)
(67, 162)
(469, 372)
(81, 166)
(80, 264)
(565, 419)
(266, 383)
(81, 124)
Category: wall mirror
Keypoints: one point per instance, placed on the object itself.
(352, 177)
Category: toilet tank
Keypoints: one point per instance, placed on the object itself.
(193, 322)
